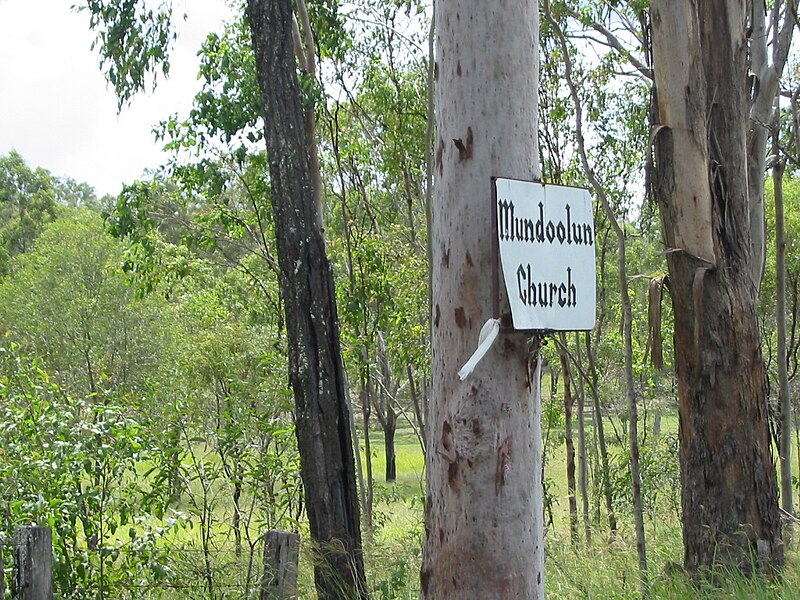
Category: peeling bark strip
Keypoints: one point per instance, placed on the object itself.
(450, 455)
(729, 485)
(316, 373)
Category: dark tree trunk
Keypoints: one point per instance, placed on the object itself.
(389, 429)
(316, 373)
(366, 411)
(386, 413)
(730, 507)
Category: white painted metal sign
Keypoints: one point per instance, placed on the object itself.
(545, 236)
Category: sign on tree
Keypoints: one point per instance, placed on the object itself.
(545, 236)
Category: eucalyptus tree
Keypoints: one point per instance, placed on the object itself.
(316, 372)
(375, 164)
(791, 230)
(782, 319)
(484, 504)
(627, 313)
(603, 108)
(713, 224)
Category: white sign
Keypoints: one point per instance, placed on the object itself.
(545, 235)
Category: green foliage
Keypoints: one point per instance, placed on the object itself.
(228, 107)
(76, 194)
(133, 41)
(70, 463)
(241, 408)
(27, 204)
(68, 303)
(660, 473)
(791, 192)
(145, 216)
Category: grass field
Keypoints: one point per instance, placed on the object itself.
(606, 569)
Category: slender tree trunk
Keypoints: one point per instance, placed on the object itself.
(388, 438)
(601, 436)
(386, 413)
(729, 484)
(784, 400)
(316, 373)
(237, 510)
(583, 463)
(365, 497)
(418, 407)
(483, 465)
(569, 439)
(766, 76)
(366, 412)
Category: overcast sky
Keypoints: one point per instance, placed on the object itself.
(56, 109)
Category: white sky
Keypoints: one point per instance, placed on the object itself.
(56, 109)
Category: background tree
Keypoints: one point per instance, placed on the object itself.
(27, 204)
(730, 511)
(67, 302)
(316, 372)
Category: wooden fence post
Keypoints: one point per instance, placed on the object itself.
(2, 566)
(33, 563)
(281, 556)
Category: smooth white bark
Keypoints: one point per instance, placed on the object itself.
(484, 506)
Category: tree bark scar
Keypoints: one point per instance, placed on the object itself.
(439, 156)
(464, 150)
(436, 316)
(450, 455)
(503, 465)
(476, 428)
(534, 346)
(461, 317)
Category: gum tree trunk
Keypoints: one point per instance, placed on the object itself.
(730, 506)
(316, 373)
(483, 464)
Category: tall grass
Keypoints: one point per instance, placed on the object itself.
(606, 570)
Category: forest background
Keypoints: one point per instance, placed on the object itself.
(146, 416)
